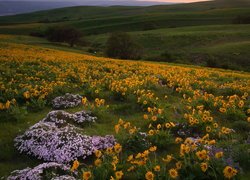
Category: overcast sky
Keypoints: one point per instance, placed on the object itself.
(174, 0)
(117, 0)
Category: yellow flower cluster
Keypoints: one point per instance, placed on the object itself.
(7, 105)
(126, 126)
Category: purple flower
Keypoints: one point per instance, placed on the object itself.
(37, 172)
(53, 139)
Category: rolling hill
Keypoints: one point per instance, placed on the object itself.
(13, 7)
(196, 33)
(125, 98)
(70, 112)
(210, 12)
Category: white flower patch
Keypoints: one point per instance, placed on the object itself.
(48, 142)
(53, 139)
(37, 172)
(66, 101)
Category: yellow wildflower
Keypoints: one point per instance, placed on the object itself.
(118, 174)
(167, 159)
(98, 153)
(130, 158)
(149, 175)
(173, 173)
(229, 172)
(153, 148)
(219, 155)
(178, 140)
(154, 118)
(157, 168)
(204, 167)
(75, 165)
(117, 128)
(7, 104)
(178, 165)
(117, 148)
(98, 162)
(86, 175)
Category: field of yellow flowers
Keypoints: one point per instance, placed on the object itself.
(169, 122)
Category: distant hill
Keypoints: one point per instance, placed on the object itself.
(99, 19)
(19, 7)
(204, 33)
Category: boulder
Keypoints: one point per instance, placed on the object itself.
(66, 101)
(54, 139)
(37, 172)
(60, 117)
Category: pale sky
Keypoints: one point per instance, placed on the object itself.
(118, 0)
(174, 0)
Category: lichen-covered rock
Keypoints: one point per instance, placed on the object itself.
(66, 101)
(48, 142)
(83, 116)
(62, 117)
(64, 177)
(53, 139)
(37, 172)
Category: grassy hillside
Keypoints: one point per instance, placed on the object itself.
(202, 33)
(92, 20)
(90, 12)
(169, 120)
(225, 44)
(158, 99)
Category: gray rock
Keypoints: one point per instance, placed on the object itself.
(66, 101)
(37, 172)
(55, 139)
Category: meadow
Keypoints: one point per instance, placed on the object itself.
(205, 33)
(169, 121)
(224, 45)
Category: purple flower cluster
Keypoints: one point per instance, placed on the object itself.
(48, 142)
(67, 101)
(213, 150)
(103, 142)
(37, 172)
(52, 139)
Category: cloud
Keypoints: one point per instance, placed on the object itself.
(174, 1)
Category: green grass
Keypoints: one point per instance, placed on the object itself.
(132, 22)
(196, 33)
(105, 125)
(226, 44)
(34, 41)
(128, 110)
(8, 153)
(97, 20)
